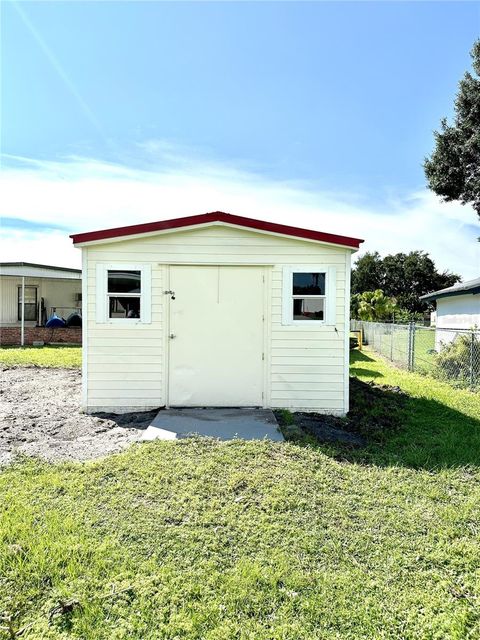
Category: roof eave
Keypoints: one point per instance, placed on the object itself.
(177, 224)
(40, 266)
(430, 297)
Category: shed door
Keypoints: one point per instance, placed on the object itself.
(216, 336)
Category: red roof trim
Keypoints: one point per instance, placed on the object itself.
(216, 216)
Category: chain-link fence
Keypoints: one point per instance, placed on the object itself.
(452, 355)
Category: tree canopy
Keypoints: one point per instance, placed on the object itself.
(453, 169)
(403, 276)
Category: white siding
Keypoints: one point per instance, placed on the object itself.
(126, 366)
(56, 292)
(456, 312)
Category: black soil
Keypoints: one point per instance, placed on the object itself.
(375, 412)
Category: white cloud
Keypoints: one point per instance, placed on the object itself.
(84, 194)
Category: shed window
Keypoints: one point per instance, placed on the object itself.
(124, 289)
(123, 293)
(308, 295)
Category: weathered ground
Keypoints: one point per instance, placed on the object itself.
(40, 416)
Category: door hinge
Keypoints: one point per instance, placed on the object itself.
(263, 356)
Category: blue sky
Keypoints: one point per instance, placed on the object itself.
(335, 101)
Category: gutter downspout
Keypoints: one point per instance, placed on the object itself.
(22, 340)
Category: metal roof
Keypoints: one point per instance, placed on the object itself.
(459, 289)
(220, 217)
(31, 269)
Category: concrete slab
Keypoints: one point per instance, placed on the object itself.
(224, 424)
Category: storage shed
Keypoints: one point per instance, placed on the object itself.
(215, 310)
(458, 309)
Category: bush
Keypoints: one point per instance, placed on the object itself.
(456, 359)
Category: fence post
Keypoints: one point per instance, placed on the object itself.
(472, 363)
(411, 346)
(391, 341)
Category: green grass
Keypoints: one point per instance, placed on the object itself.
(254, 540)
(441, 424)
(397, 349)
(54, 356)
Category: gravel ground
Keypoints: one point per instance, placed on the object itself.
(40, 416)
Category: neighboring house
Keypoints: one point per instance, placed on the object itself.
(215, 310)
(458, 308)
(46, 288)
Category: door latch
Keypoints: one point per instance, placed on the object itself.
(172, 294)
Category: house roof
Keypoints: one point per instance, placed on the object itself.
(221, 217)
(32, 269)
(459, 289)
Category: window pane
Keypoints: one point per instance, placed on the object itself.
(30, 303)
(124, 307)
(308, 308)
(124, 281)
(30, 295)
(309, 283)
(30, 311)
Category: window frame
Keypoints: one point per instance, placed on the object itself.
(288, 296)
(120, 294)
(103, 295)
(19, 303)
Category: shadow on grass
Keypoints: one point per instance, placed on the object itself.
(427, 434)
(360, 356)
(360, 371)
(418, 433)
(401, 430)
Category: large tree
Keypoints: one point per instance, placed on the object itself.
(403, 276)
(367, 273)
(453, 169)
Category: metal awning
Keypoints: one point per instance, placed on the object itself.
(32, 270)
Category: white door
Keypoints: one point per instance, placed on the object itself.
(216, 336)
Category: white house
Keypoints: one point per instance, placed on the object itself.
(45, 288)
(215, 310)
(458, 308)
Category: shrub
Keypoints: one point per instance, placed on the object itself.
(459, 360)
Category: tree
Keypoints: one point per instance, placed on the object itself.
(453, 169)
(404, 276)
(373, 306)
(367, 275)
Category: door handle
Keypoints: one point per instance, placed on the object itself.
(172, 336)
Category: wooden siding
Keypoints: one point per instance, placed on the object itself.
(127, 365)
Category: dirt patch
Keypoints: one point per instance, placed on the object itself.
(40, 416)
(375, 412)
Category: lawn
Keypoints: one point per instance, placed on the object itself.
(54, 356)
(255, 540)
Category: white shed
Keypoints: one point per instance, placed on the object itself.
(458, 309)
(215, 310)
